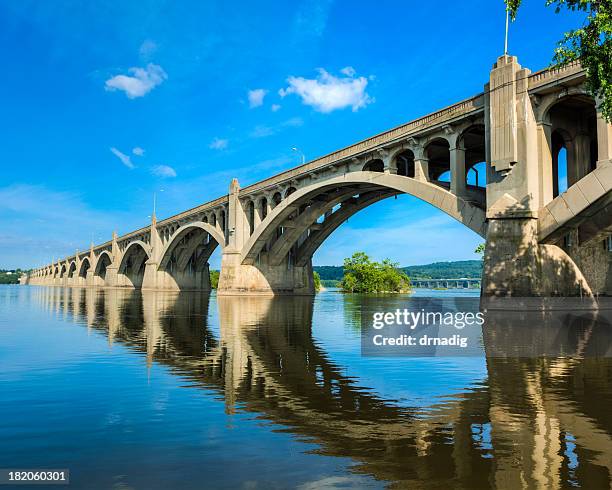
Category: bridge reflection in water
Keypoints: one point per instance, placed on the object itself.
(533, 423)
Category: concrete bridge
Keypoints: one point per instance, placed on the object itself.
(539, 242)
(464, 282)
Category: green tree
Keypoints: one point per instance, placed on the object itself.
(591, 44)
(362, 275)
(480, 249)
(317, 281)
(214, 279)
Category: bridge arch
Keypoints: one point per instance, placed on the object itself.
(336, 200)
(131, 266)
(85, 266)
(184, 259)
(570, 144)
(72, 269)
(374, 165)
(437, 152)
(103, 261)
(404, 162)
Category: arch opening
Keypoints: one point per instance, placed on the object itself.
(132, 267)
(314, 214)
(85, 266)
(474, 145)
(376, 165)
(573, 141)
(438, 156)
(186, 257)
(104, 261)
(404, 163)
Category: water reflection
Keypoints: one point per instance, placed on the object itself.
(534, 422)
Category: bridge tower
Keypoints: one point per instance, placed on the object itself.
(520, 180)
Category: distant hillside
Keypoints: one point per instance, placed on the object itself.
(437, 270)
(446, 270)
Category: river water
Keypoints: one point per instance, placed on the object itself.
(164, 390)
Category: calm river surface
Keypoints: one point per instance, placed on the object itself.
(161, 390)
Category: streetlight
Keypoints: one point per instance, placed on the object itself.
(297, 150)
(155, 199)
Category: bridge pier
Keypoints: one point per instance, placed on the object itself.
(262, 278)
(160, 279)
(522, 153)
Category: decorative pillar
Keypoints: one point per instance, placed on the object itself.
(111, 270)
(150, 279)
(421, 162)
(545, 164)
(389, 163)
(457, 168)
(604, 138)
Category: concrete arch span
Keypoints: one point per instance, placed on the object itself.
(104, 261)
(353, 192)
(276, 258)
(183, 261)
(130, 272)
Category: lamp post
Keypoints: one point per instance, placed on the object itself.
(155, 199)
(300, 152)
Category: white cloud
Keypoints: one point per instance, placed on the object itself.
(125, 159)
(142, 81)
(164, 171)
(256, 97)
(327, 92)
(219, 144)
(275, 107)
(349, 71)
(138, 151)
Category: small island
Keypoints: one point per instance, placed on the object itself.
(364, 275)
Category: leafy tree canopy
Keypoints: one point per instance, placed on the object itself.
(362, 275)
(591, 44)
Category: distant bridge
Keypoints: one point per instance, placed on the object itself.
(539, 242)
(464, 282)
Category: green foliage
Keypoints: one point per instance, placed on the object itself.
(317, 281)
(332, 275)
(591, 44)
(329, 272)
(330, 283)
(214, 279)
(480, 249)
(11, 276)
(446, 270)
(362, 275)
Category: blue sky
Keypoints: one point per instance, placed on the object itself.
(105, 102)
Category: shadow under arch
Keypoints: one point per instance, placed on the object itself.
(103, 261)
(185, 256)
(130, 272)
